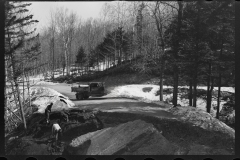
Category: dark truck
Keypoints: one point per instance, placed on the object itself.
(91, 89)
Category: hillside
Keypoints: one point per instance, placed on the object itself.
(125, 74)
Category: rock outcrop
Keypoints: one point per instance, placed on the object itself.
(227, 114)
(202, 119)
(37, 139)
(205, 150)
(42, 96)
(131, 138)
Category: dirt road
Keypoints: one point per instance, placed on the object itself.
(113, 104)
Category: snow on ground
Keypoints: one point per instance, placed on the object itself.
(198, 116)
(202, 119)
(226, 89)
(46, 83)
(135, 91)
(43, 96)
(36, 78)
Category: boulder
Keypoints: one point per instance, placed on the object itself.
(26, 146)
(227, 114)
(36, 149)
(131, 138)
(206, 150)
(37, 139)
(202, 119)
(199, 150)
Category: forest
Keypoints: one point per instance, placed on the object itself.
(192, 42)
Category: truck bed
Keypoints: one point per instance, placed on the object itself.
(80, 89)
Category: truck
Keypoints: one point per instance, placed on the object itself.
(83, 91)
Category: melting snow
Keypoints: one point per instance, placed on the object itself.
(202, 119)
(198, 116)
(44, 96)
(45, 83)
(135, 91)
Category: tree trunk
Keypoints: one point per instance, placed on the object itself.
(209, 88)
(176, 49)
(161, 80)
(23, 85)
(175, 85)
(13, 91)
(98, 60)
(14, 114)
(28, 87)
(195, 90)
(18, 94)
(161, 87)
(209, 98)
(66, 60)
(190, 92)
(196, 58)
(53, 57)
(69, 61)
(219, 83)
(219, 95)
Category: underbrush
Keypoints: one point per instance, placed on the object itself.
(181, 133)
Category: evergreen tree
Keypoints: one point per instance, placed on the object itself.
(117, 41)
(80, 57)
(20, 44)
(173, 40)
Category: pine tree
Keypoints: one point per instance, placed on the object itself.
(80, 57)
(16, 40)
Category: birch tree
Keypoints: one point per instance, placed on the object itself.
(65, 26)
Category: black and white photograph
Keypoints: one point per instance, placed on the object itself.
(119, 78)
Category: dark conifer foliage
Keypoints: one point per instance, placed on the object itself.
(21, 46)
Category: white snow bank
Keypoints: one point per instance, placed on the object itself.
(135, 91)
(226, 89)
(198, 116)
(42, 96)
(45, 83)
(202, 119)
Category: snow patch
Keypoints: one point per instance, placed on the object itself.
(198, 116)
(202, 119)
(135, 91)
(45, 83)
(43, 96)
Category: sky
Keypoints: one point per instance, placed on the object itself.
(41, 10)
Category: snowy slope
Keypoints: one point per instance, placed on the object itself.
(46, 83)
(135, 91)
(198, 116)
(202, 119)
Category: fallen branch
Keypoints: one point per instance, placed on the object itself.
(14, 114)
